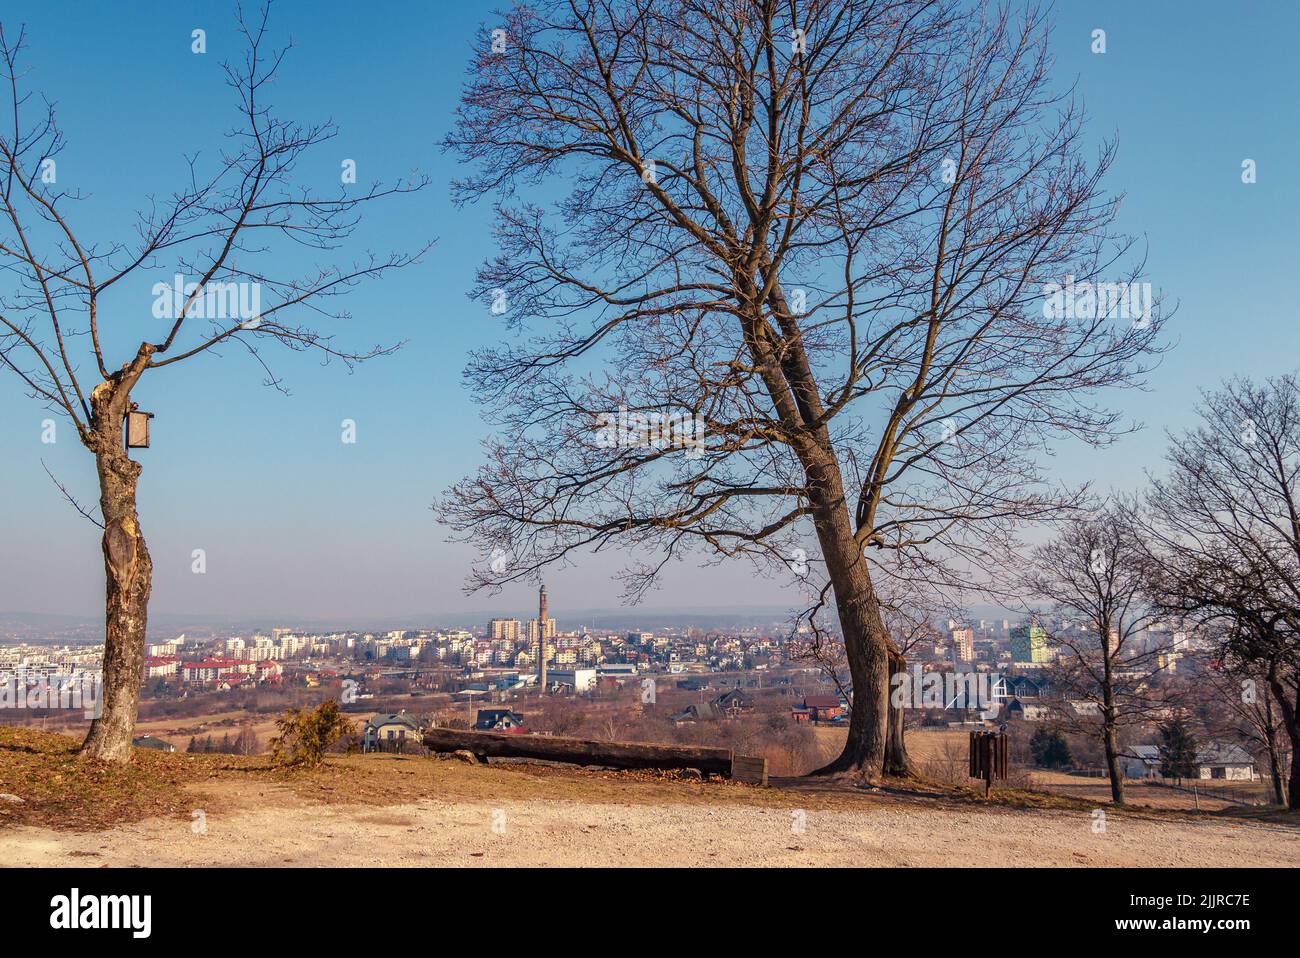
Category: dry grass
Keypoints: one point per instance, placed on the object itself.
(59, 790)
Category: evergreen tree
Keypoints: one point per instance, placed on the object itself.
(1177, 750)
(1050, 749)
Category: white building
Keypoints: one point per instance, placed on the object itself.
(1214, 761)
(168, 648)
(580, 680)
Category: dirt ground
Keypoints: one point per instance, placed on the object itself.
(398, 810)
(567, 833)
(449, 814)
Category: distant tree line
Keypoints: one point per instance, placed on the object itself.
(245, 743)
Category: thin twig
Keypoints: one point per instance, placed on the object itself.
(67, 495)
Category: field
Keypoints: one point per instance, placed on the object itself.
(943, 751)
(406, 810)
(940, 753)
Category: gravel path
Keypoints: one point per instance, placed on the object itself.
(534, 832)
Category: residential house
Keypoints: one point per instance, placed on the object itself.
(1022, 687)
(390, 732)
(733, 703)
(824, 708)
(699, 712)
(1221, 760)
(1016, 708)
(499, 720)
(1217, 760)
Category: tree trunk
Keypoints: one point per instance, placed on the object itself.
(714, 761)
(1112, 764)
(1108, 732)
(1293, 784)
(874, 746)
(1270, 741)
(897, 761)
(1275, 767)
(1289, 717)
(865, 748)
(128, 573)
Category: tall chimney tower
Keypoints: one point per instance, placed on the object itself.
(541, 639)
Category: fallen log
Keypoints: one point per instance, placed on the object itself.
(576, 751)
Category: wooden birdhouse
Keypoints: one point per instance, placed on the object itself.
(137, 429)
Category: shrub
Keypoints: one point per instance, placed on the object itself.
(305, 734)
(1050, 749)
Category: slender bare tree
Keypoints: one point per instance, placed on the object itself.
(1095, 575)
(1236, 701)
(777, 276)
(242, 206)
(1225, 523)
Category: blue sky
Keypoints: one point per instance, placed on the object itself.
(295, 523)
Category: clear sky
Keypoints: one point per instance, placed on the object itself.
(296, 523)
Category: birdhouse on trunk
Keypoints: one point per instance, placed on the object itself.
(137, 429)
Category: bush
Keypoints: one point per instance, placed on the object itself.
(1050, 749)
(305, 734)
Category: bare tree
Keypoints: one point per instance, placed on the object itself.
(1226, 524)
(791, 309)
(1095, 574)
(225, 227)
(908, 612)
(1237, 702)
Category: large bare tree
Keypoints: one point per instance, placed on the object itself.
(230, 228)
(822, 230)
(1225, 523)
(908, 610)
